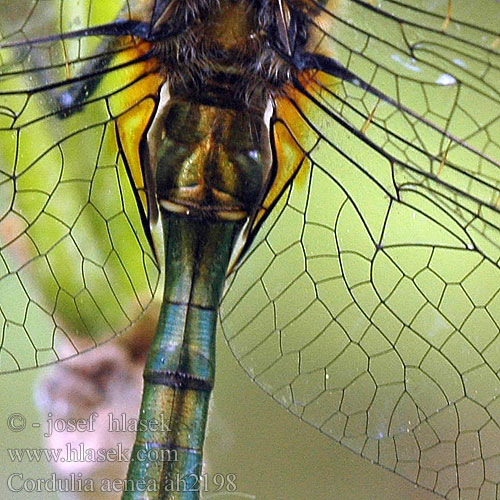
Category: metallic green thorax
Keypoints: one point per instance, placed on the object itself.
(212, 167)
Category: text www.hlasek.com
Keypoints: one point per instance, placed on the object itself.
(83, 454)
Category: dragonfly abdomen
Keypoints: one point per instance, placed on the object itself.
(179, 374)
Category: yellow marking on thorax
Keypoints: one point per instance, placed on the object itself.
(134, 107)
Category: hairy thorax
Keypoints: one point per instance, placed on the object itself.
(217, 51)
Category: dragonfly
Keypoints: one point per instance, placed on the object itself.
(333, 164)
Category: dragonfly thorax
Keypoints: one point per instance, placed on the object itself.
(212, 162)
(230, 53)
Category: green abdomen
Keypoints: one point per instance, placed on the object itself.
(212, 169)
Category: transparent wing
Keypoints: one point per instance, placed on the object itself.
(74, 257)
(369, 302)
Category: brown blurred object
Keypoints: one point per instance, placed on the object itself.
(108, 381)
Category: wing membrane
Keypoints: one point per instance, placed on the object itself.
(76, 255)
(373, 311)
